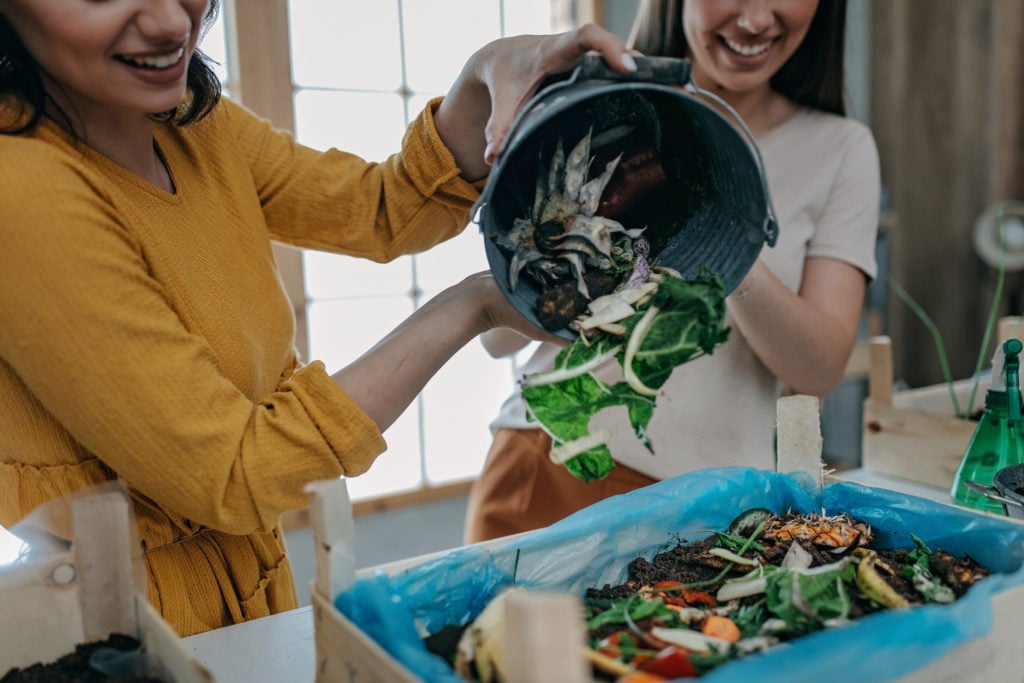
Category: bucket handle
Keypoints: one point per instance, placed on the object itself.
(771, 223)
(664, 70)
(991, 493)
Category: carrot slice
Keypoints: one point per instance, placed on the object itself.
(720, 627)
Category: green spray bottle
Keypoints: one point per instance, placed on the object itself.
(998, 440)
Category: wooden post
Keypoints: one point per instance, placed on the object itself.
(542, 639)
(1010, 327)
(799, 435)
(333, 536)
(880, 370)
(103, 542)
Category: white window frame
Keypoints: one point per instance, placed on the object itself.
(260, 77)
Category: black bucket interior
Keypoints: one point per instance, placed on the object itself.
(711, 210)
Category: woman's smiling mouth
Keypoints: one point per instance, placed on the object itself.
(747, 50)
(153, 62)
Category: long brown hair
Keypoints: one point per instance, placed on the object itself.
(21, 79)
(812, 77)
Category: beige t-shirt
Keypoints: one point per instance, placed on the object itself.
(719, 410)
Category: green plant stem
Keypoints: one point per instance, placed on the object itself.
(993, 314)
(939, 346)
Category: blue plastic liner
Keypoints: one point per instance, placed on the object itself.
(594, 546)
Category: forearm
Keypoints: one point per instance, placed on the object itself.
(385, 379)
(804, 338)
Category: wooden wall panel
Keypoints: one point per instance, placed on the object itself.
(945, 76)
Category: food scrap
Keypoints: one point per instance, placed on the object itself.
(569, 245)
(595, 277)
(649, 330)
(768, 579)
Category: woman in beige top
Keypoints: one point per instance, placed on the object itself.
(795, 315)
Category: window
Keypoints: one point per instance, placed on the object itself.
(385, 61)
(359, 73)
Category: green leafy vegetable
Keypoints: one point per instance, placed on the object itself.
(683, 320)
(805, 601)
(632, 609)
(920, 575)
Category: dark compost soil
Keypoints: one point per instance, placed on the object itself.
(75, 667)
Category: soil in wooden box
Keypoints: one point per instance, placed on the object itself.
(767, 579)
(76, 667)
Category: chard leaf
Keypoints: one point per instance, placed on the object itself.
(689, 323)
(806, 601)
(591, 465)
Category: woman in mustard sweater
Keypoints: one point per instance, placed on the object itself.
(144, 334)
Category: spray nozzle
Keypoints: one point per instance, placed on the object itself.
(1011, 374)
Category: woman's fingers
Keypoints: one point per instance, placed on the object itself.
(522, 63)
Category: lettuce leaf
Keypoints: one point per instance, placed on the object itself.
(687, 321)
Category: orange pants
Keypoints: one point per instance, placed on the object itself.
(520, 489)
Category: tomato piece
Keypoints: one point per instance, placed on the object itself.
(698, 598)
(671, 662)
(610, 645)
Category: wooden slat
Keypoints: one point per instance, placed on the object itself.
(173, 661)
(540, 636)
(344, 654)
(880, 370)
(799, 435)
(333, 534)
(103, 548)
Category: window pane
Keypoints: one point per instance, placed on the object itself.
(342, 330)
(459, 403)
(396, 469)
(215, 47)
(369, 125)
(353, 303)
(331, 276)
(347, 44)
(527, 16)
(10, 547)
(449, 262)
(432, 62)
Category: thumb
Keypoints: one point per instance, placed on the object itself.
(497, 127)
(505, 106)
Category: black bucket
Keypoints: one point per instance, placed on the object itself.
(713, 207)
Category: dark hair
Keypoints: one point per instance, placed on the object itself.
(812, 77)
(21, 79)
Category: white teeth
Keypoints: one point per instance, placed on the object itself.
(158, 62)
(748, 50)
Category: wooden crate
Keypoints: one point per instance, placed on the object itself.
(345, 653)
(85, 594)
(915, 434)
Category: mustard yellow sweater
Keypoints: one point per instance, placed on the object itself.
(145, 336)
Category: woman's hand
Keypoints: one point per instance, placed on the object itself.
(501, 77)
